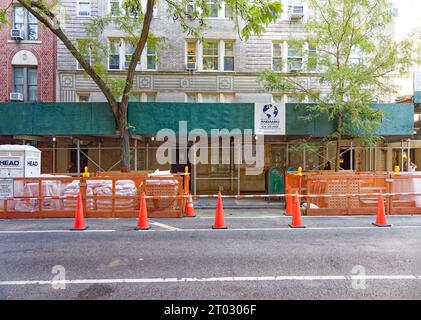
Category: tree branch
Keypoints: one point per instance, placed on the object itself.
(139, 49)
(69, 45)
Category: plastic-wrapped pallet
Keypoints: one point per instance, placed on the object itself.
(105, 188)
(71, 190)
(125, 188)
(49, 189)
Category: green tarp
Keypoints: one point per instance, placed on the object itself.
(148, 118)
(56, 119)
(398, 120)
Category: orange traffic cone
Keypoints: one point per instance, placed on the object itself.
(219, 216)
(79, 221)
(296, 213)
(381, 215)
(190, 208)
(142, 223)
(288, 203)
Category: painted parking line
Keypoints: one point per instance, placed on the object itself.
(165, 226)
(213, 279)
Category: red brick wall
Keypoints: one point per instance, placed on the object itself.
(46, 53)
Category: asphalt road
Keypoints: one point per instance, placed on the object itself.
(258, 257)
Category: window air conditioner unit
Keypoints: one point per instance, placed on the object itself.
(297, 12)
(16, 96)
(191, 66)
(17, 34)
(295, 67)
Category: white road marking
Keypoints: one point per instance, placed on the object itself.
(214, 279)
(165, 226)
(174, 229)
(294, 229)
(56, 231)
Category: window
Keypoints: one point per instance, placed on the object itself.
(191, 97)
(210, 97)
(216, 10)
(25, 81)
(213, 9)
(83, 97)
(25, 21)
(294, 99)
(150, 97)
(229, 56)
(151, 56)
(228, 11)
(312, 59)
(277, 99)
(114, 55)
(211, 55)
(228, 98)
(191, 9)
(86, 57)
(191, 55)
(84, 8)
(295, 60)
(115, 8)
(128, 56)
(277, 57)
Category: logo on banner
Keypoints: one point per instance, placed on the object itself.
(269, 119)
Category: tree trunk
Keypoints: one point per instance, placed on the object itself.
(124, 137)
(338, 143)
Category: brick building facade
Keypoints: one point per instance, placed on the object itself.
(27, 65)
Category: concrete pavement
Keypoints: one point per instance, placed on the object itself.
(258, 257)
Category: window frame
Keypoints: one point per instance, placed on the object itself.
(78, 8)
(26, 24)
(281, 67)
(83, 94)
(26, 84)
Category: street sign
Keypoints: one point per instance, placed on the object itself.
(6, 188)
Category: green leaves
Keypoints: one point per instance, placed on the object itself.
(357, 59)
(3, 18)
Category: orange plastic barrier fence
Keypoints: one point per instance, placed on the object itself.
(114, 196)
(366, 183)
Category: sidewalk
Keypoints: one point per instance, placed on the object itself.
(249, 203)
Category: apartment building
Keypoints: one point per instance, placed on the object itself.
(223, 68)
(28, 64)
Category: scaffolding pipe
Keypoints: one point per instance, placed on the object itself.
(135, 154)
(78, 155)
(402, 158)
(239, 169)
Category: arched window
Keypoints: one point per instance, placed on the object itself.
(25, 75)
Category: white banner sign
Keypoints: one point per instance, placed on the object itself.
(6, 188)
(269, 118)
(417, 81)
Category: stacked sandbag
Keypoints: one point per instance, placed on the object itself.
(100, 188)
(125, 188)
(71, 190)
(50, 188)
